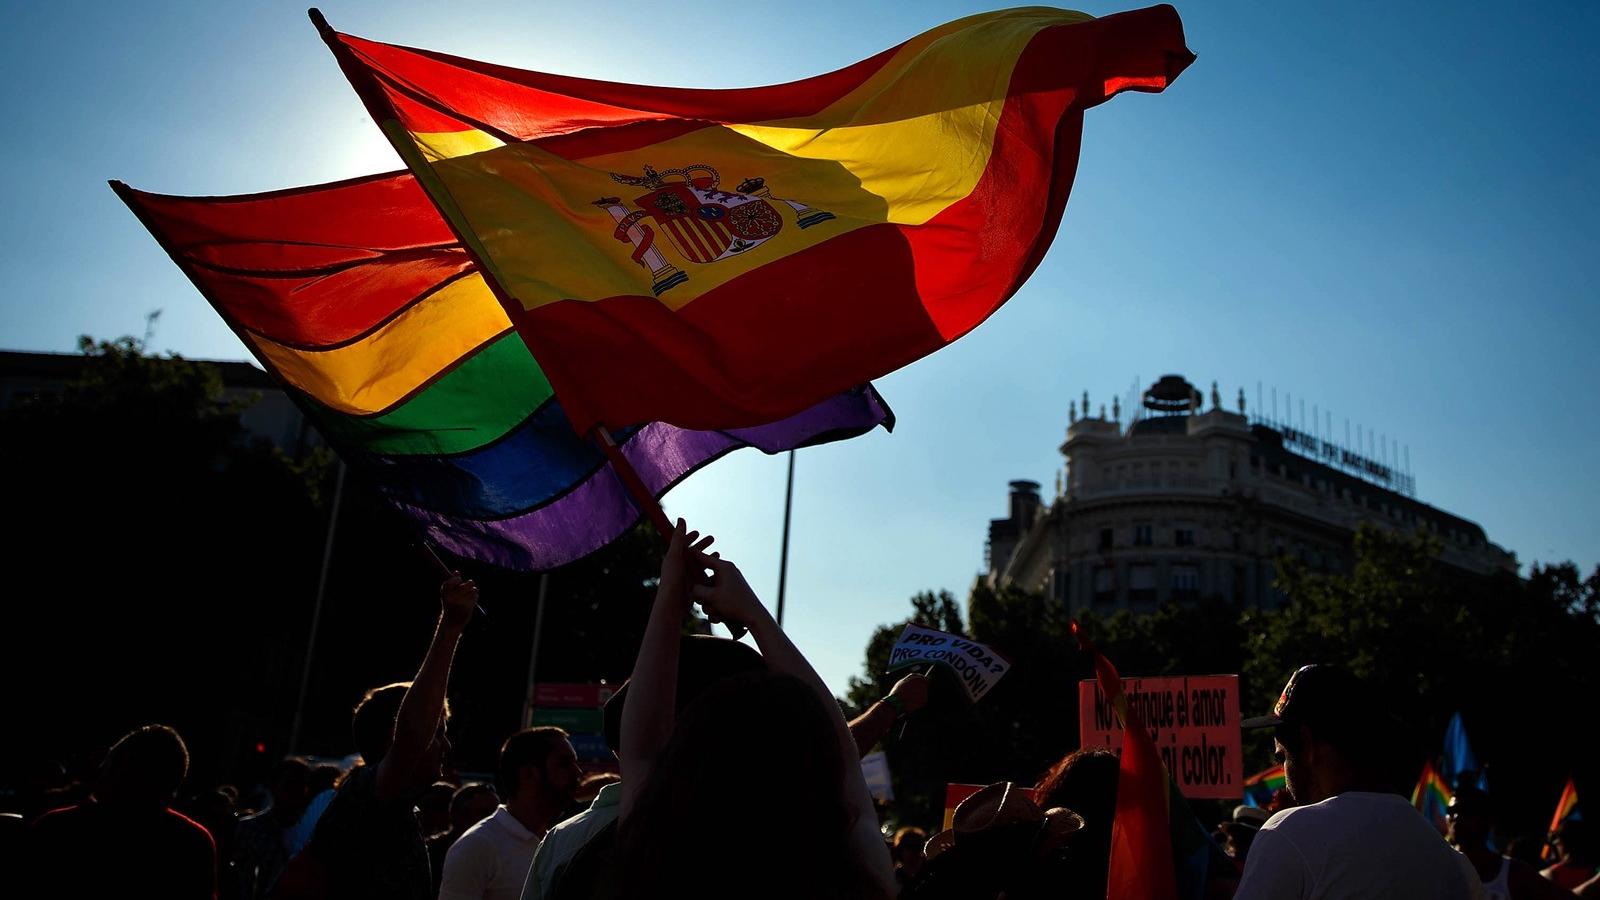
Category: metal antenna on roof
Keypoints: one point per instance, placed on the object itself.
(149, 329)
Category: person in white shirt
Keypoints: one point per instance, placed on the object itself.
(1349, 836)
(578, 853)
(538, 775)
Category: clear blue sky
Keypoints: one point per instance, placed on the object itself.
(1387, 209)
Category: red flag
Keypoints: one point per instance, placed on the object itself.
(1141, 838)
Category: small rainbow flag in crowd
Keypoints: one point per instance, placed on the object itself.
(1432, 795)
(1259, 788)
(1566, 808)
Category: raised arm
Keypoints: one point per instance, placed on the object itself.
(422, 708)
(648, 713)
(728, 596)
(908, 695)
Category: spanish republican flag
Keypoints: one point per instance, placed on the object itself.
(724, 258)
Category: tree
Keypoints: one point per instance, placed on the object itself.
(153, 550)
(1511, 655)
(163, 567)
(1516, 657)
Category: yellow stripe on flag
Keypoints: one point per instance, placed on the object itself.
(919, 132)
(376, 372)
(438, 145)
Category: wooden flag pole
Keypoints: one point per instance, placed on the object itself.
(644, 499)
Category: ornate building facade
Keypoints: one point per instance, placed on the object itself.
(1187, 502)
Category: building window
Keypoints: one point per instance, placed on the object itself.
(1143, 535)
(1105, 539)
(1061, 585)
(1105, 584)
(1185, 583)
(1183, 536)
(1142, 584)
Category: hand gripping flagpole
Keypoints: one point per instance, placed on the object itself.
(644, 499)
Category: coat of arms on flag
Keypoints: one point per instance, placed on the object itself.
(701, 221)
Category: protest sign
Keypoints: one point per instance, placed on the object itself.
(573, 721)
(978, 667)
(572, 695)
(1193, 720)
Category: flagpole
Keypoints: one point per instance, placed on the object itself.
(533, 657)
(783, 556)
(316, 609)
(643, 498)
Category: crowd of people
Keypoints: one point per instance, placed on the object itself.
(739, 776)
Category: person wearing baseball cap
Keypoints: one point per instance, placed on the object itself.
(1349, 835)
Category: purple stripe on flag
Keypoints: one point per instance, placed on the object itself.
(599, 510)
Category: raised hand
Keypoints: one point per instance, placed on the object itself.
(912, 691)
(457, 598)
(727, 596)
(686, 559)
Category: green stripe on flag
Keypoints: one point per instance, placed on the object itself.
(472, 405)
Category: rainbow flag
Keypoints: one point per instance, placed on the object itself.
(1259, 788)
(1159, 850)
(1432, 795)
(725, 258)
(1566, 807)
(384, 331)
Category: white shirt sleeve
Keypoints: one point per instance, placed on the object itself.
(468, 869)
(533, 887)
(1275, 869)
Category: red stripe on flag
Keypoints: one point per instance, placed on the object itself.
(531, 105)
(310, 267)
(659, 358)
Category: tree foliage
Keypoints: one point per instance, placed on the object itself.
(163, 567)
(149, 535)
(1515, 656)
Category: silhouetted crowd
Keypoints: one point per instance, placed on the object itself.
(739, 777)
